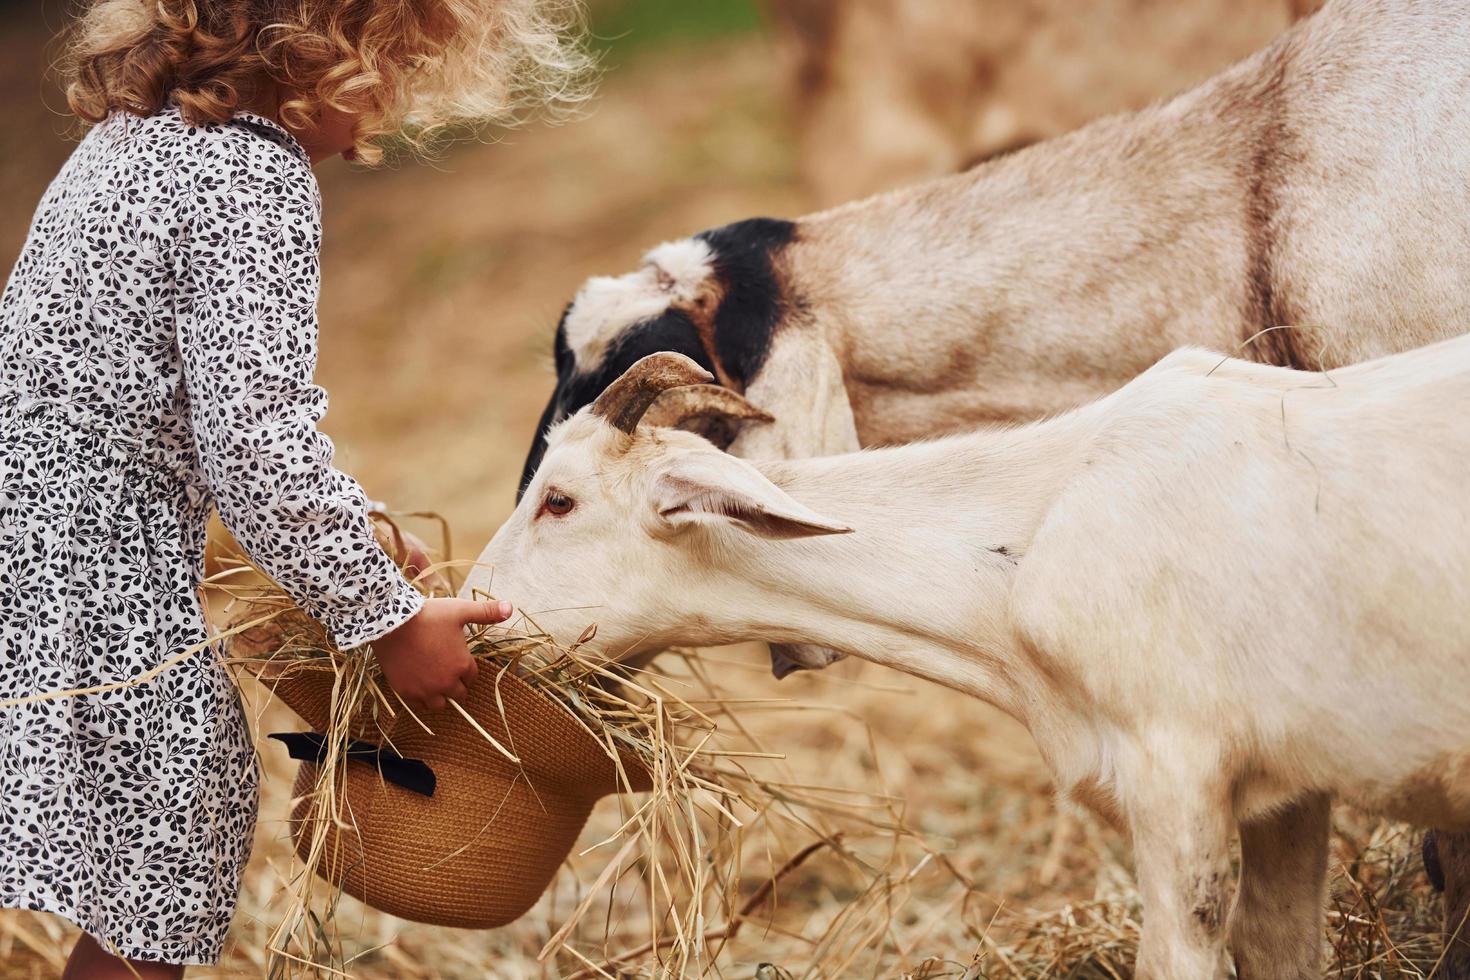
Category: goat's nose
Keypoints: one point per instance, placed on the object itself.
(781, 665)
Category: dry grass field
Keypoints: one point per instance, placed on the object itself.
(443, 281)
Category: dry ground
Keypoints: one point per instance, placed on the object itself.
(442, 284)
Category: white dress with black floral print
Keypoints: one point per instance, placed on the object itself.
(157, 343)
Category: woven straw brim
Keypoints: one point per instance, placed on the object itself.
(482, 849)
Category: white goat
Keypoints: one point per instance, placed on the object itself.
(1217, 597)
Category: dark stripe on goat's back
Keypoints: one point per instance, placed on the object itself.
(752, 296)
(1271, 333)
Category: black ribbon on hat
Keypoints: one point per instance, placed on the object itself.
(413, 775)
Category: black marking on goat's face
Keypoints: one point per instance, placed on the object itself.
(671, 331)
(752, 301)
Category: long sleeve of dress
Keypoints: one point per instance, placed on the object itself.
(248, 342)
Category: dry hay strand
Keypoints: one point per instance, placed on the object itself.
(1383, 919)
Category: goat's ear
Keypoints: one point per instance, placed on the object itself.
(717, 488)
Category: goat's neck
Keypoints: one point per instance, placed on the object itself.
(923, 581)
(1020, 289)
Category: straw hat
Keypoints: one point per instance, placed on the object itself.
(481, 849)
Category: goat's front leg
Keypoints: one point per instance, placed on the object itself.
(1181, 826)
(1276, 923)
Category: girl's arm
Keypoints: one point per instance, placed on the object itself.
(248, 340)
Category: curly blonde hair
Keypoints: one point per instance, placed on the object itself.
(398, 66)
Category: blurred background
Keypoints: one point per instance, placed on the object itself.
(443, 280)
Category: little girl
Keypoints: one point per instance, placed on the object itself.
(157, 342)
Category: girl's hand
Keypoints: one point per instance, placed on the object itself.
(426, 660)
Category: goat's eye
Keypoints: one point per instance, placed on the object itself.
(558, 503)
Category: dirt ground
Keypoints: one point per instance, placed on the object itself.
(442, 283)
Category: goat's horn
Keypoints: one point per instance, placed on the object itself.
(623, 402)
(680, 405)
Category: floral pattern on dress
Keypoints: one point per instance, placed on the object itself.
(157, 344)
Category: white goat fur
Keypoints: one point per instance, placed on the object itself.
(1217, 597)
